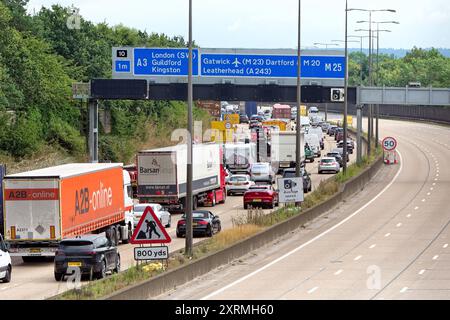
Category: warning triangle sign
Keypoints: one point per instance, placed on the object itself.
(149, 229)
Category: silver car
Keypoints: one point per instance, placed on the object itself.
(238, 183)
(328, 164)
(262, 172)
(160, 212)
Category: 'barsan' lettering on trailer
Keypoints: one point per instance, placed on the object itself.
(186, 310)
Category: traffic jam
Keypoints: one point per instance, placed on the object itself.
(72, 217)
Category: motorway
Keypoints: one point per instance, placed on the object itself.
(391, 241)
(36, 280)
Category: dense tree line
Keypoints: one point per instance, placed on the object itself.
(40, 58)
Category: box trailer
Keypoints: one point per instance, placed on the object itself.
(44, 206)
(238, 157)
(281, 111)
(283, 149)
(162, 176)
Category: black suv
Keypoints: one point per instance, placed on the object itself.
(93, 254)
(307, 185)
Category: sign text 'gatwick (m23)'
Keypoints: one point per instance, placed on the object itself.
(160, 62)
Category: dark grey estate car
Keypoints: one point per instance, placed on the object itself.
(93, 254)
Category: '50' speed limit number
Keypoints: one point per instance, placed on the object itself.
(389, 144)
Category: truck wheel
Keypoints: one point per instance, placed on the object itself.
(224, 197)
(194, 203)
(7, 277)
(129, 235)
(213, 204)
(179, 235)
(59, 276)
(245, 206)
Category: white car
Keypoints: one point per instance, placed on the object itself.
(161, 212)
(5, 262)
(238, 183)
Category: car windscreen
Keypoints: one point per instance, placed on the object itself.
(198, 215)
(327, 160)
(76, 244)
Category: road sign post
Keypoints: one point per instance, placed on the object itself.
(290, 190)
(389, 145)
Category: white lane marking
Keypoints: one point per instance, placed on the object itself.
(435, 179)
(422, 271)
(445, 245)
(312, 290)
(404, 290)
(357, 258)
(437, 174)
(338, 272)
(423, 200)
(408, 215)
(431, 188)
(312, 240)
(434, 183)
(416, 208)
(372, 246)
(428, 193)
(435, 257)
(399, 225)
(387, 234)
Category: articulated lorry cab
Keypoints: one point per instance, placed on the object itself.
(239, 157)
(42, 207)
(162, 176)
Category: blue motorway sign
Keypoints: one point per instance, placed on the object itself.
(123, 66)
(164, 62)
(273, 66)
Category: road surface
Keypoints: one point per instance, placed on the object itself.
(390, 241)
(36, 280)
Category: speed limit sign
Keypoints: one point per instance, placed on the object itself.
(389, 143)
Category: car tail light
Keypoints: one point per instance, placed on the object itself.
(202, 222)
(181, 222)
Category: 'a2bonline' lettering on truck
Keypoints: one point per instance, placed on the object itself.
(47, 205)
(101, 198)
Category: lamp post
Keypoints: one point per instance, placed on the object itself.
(298, 126)
(189, 233)
(378, 30)
(370, 124)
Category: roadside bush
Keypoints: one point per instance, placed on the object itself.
(66, 136)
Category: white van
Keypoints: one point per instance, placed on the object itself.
(5, 262)
(314, 143)
(319, 132)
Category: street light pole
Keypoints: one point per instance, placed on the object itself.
(344, 167)
(369, 118)
(298, 126)
(189, 200)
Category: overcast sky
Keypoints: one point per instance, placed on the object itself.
(272, 23)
